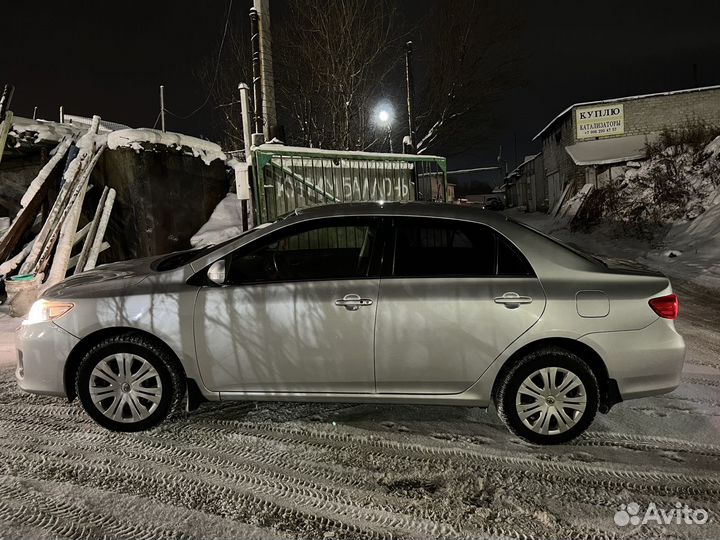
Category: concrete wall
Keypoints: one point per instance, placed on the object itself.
(653, 114)
(16, 174)
(162, 199)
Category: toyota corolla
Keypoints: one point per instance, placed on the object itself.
(365, 302)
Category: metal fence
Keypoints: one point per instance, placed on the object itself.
(288, 178)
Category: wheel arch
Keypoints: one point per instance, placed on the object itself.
(609, 394)
(89, 341)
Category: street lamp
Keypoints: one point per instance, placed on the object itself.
(384, 118)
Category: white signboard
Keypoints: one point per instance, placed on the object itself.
(600, 121)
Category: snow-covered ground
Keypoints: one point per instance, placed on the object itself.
(365, 471)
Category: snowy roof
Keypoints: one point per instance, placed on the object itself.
(281, 148)
(607, 151)
(474, 170)
(35, 131)
(627, 98)
(528, 159)
(138, 139)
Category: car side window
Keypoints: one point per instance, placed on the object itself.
(510, 262)
(438, 247)
(337, 248)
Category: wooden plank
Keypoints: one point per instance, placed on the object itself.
(90, 238)
(97, 241)
(70, 189)
(68, 228)
(30, 204)
(5, 127)
(73, 263)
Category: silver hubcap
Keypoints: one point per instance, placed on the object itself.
(125, 387)
(551, 400)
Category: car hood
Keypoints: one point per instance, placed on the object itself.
(104, 279)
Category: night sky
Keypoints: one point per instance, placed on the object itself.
(109, 58)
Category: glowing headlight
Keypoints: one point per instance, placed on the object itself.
(47, 310)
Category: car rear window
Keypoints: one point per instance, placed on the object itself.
(580, 253)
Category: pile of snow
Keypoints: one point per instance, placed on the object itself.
(145, 139)
(28, 131)
(676, 194)
(675, 186)
(695, 246)
(224, 223)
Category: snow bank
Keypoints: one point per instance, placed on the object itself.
(224, 223)
(144, 139)
(696, 244)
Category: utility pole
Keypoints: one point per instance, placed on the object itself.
(410, 84)
(266, 68)
(162, 107)
(257, 73)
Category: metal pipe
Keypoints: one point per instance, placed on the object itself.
(162, 107)
(410, 85)
(245, 113)
(256, 69)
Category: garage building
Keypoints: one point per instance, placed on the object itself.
(582, 143)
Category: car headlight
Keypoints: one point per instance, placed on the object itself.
(47, 310)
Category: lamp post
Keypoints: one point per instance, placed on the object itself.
(384, 118)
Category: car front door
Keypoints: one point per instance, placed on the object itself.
(456, 296)
(296, 312)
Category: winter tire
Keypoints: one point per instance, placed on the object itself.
(549, 397)
(128, 383)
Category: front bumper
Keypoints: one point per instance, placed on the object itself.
(42, 350)
(643, 362)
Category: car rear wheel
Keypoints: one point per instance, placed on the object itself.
(549, 397)
(128, 383)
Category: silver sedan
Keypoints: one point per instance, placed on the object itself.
(366, 302)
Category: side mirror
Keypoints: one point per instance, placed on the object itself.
(216, 272)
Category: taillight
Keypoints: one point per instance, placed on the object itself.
(666, 307)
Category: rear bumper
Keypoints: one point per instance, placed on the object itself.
(42, 350)
(643, 362)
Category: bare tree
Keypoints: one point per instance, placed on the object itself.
(331, 67)
(470, 60)
(336, 59)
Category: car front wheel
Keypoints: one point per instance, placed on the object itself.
(549, 397)
(128, 383)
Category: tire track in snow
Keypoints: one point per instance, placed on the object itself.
(307, 479)
(61, 518)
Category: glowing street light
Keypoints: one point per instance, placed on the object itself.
(384, 118)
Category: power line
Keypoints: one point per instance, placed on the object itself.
(215, 76)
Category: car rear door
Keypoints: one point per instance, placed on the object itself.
(296, 312)
(456, 294)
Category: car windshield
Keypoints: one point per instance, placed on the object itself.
(577, 251)
(181, 258)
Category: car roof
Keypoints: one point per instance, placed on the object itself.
(408, 208)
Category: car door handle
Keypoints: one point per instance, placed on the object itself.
(512, 299)
(352, 302)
